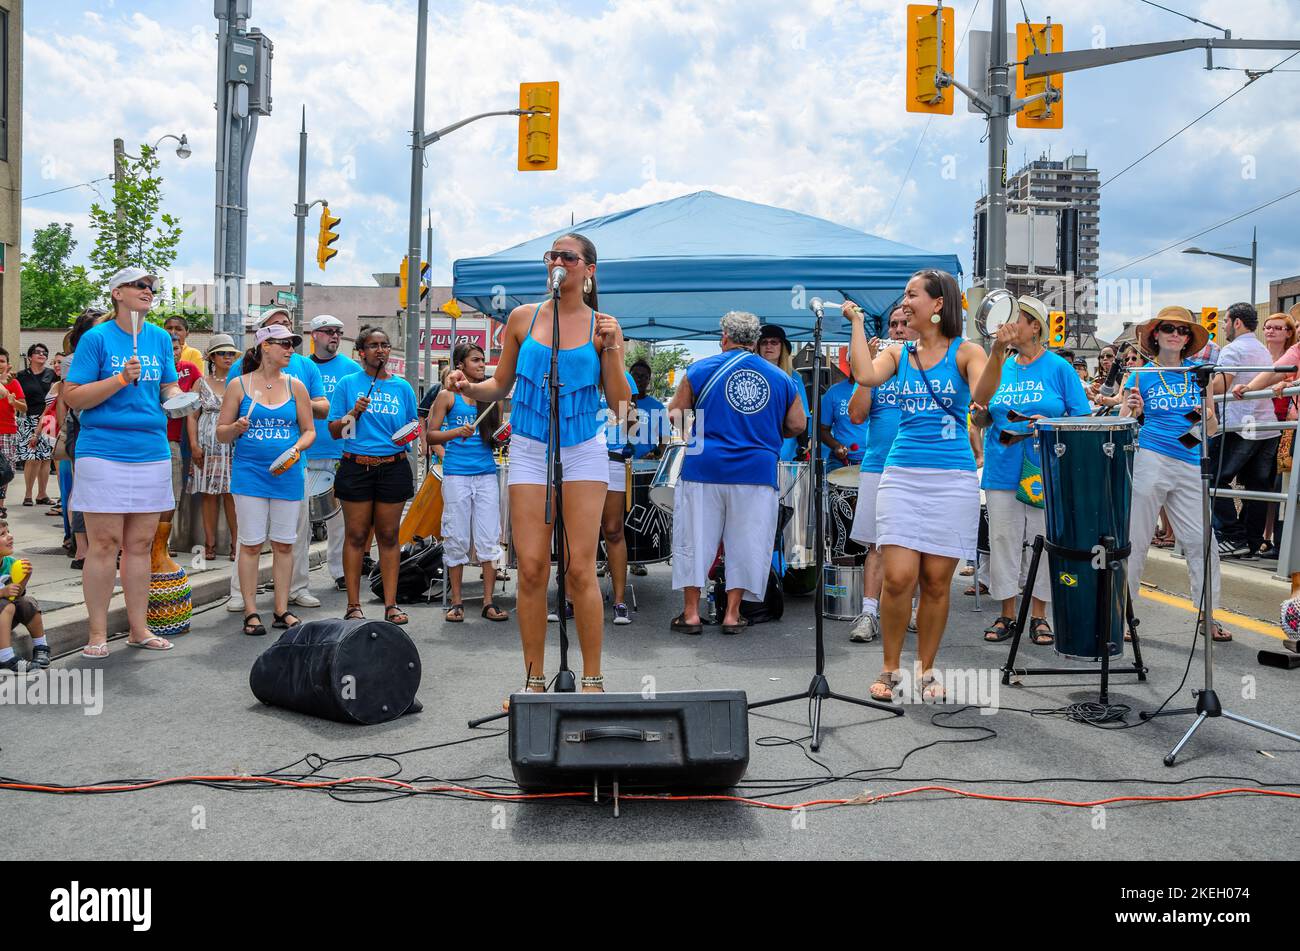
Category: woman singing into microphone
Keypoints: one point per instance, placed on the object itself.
(927, 509)
(590, 358)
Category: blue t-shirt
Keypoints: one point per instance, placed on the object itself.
(270, 433)
(1049, 386)
(790, 445)
(299, 367)
(882, 425)
(932, 435)
(464, 457)
(616, 436)
(651, 426)
(835, 414)
(331, 371)
(740, 406)
(1167, 398)
(129, 426)
(392, 406)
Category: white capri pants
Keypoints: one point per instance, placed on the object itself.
(1012, 527)
(1162, 480)
(255, 514)
(471, 518)
(741, 517)
(586, 462)
(863, 529)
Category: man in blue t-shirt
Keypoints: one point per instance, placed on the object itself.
(303, 369)
(846, 440)
(743, 408)
(324, 454)
(651, 427)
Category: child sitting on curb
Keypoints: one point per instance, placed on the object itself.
(17, 608)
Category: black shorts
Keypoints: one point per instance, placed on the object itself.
(25, 609)
(389, 482)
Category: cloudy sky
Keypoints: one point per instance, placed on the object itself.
(797, 105)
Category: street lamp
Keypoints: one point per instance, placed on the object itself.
(1250, 262)
(120, 156)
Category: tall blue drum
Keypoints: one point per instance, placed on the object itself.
(1087, 466)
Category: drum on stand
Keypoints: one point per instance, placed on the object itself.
(794, 482)
(647, 528)
(842, 592)
(663, 484)
(841, 502)
(321, 503)
(1087, 467)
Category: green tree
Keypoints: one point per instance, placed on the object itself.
(143, 236)
(664, 360)
(54, 291)
(173, 303)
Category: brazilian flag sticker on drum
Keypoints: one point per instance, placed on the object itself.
(1070, 581)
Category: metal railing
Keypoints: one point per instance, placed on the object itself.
(1288, 555)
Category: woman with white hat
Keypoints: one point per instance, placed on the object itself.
(1039, 384)
(123, 371)
(1166, 472)
(210, 455)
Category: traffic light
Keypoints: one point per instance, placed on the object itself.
(406, 282)
(1210, 321)
(1048, 38)
(930, 59)
(327, 236)
(538, 133)
(1056, 329)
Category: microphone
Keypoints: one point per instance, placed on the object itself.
(1111, 385)
(816, 305)
(557, 278)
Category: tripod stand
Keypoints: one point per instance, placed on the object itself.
(819, 688)
(1207, 700)
(564, 679)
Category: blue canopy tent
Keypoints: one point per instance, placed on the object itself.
(669, 271)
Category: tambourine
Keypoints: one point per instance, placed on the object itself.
(284, 462)
(502, 435)
(406, 435)
(181, 406)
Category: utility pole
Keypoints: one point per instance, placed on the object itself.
(999, 99)
(417, 198)
(119, 176)
(300, 212)
(428, 309)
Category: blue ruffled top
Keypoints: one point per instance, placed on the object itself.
(579, 396)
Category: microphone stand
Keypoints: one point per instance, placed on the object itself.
(819, 687)
(1207, 700)
(565, 682)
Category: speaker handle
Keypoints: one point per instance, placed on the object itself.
(613, 733)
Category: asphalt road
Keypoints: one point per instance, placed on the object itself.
(190, 711)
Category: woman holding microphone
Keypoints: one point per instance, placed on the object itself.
(1039, 384)
(267, 415)
(590, 358)
(471, 504)
(927, 509)
(370, 411)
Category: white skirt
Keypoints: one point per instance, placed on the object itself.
(586, 462)
(933, 511)
(863, 530)
(128, 488)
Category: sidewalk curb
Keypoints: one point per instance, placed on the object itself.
(68, 629)
(1254, 591)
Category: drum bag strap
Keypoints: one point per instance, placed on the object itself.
(1078, 554)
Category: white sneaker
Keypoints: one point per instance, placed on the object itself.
(866, 630)
(234, 606)
(305, 599)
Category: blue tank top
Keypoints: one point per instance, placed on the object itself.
(270, 432)
(882, 425)
(465, 457)
(929, 436)
(579, 396)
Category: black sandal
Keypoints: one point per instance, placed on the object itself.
(459, 611)
(1040, 632)
(254, 630)
(680, 626)
(282, 620)
(499, 615)
(392, 610)
(1000, 629)
(354, 613)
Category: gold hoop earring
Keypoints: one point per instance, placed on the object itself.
(586, 286)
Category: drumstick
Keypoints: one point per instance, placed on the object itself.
(627, 489)
(135, 336)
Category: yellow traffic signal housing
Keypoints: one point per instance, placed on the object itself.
(538, 133)
(1040, 114)
(1210, 321)
(327, 236)
(1056, 329)
(930, 51)
(405, 283)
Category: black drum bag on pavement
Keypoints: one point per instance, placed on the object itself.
(755, 612)
(419, 567)
(348, 671)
